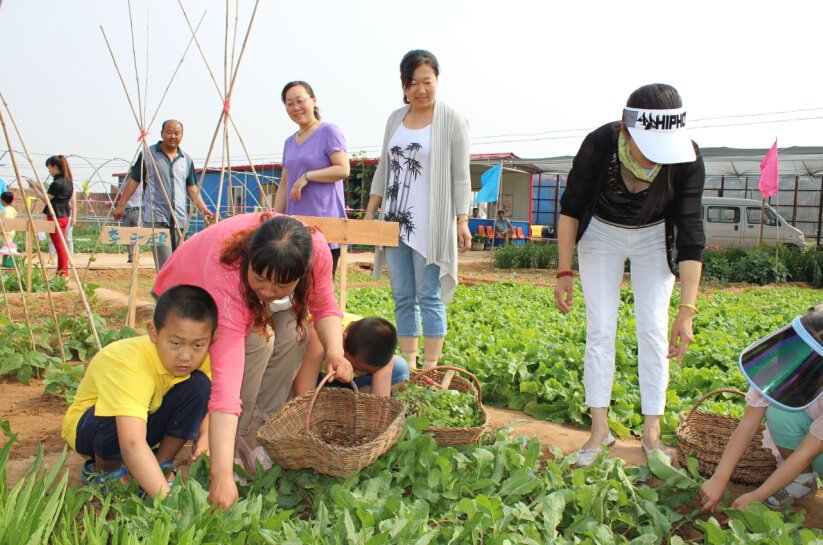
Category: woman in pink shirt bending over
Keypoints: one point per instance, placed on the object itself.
(266, 272)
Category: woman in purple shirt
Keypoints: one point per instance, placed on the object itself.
(315, 162)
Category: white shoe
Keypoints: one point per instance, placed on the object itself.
(664, 450)
(587, 456)
(801, 486)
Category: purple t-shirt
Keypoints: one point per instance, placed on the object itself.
(319, 199)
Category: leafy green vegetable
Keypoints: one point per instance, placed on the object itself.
(442, 408)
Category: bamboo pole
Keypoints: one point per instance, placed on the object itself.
(19, 285)
(134, 57)
(139, 123)
(29, 216)
(226, 101)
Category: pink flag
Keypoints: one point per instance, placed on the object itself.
(769, 173)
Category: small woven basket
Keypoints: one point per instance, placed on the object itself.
(707, 434)
(454, 436)
(333, 430)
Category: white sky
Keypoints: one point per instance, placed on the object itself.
(512, 68)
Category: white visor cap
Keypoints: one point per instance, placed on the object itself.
(660, 135)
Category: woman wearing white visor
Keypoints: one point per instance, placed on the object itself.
(633, 185)
(785, 373)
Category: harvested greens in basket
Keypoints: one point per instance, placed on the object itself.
(442, 408)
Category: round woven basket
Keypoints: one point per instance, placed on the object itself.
(706, 435)
(333, 430)
(454, 436)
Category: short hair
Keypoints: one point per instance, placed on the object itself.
(163, 126)
(373, 340)
(7, 196)
(188, 303)
(475, 208)
(501, 211)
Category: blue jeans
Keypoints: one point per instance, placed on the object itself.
(400, 373)
(416, 290)
(180, 415)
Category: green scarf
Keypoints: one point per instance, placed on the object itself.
(628, 160)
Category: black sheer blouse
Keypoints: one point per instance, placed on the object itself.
(685, 239)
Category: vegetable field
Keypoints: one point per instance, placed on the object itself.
(529, 356)
(506, 490)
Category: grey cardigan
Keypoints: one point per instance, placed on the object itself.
(449, 193)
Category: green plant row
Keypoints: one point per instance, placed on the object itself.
(529, 356)
(12, 284)
(18, 358)
(497, 493)
(764, 266)
(529, 256)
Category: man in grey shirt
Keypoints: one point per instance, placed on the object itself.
(169, 178)
(503, 227)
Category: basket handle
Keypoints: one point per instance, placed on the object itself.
(317, 391)
(710, 394)
(450, 368)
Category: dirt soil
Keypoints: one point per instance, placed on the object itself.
(37, 418)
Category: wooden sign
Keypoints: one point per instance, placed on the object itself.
(134, 235)
(345, 231)
(17, 224)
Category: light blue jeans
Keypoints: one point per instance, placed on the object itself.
(416, 290)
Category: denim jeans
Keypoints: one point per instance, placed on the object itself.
(416, 290)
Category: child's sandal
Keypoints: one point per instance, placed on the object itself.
(169, 469)
(791, 493)
(91, 477)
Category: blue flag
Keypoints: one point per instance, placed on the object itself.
(490, 181)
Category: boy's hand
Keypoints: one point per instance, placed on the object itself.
(201, 446)
(710, 494)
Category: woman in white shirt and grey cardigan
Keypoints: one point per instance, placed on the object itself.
(423, 176)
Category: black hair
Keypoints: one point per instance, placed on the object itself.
(409, 64)
(163, 126)
(813, 322)
(280, 249)
(62, 164)
(373, 340)
(185, 302)
(308, 89)
(7, 196)
(657, 96)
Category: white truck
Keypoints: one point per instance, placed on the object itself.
(736, 222)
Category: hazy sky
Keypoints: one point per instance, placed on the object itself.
(518, 70)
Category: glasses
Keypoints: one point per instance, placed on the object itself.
(786, 367)
(299, 102)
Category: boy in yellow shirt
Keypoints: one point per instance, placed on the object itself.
(146, 391)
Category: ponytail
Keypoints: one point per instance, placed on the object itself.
(60, 162)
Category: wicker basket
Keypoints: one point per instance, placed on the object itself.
(333, 430)
(706, 434)
(455, 436)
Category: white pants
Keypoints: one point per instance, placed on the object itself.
(602, 254)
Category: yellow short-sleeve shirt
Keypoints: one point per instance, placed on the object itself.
(126, 378)
(10, 213)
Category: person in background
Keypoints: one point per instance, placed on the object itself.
(165, 205)
(423, 176)
(131, 214)
(632, 183)
(785, 373)
(478, 214)
(60, 193)
(315, 163)
(7, 246)
(503, 227)
(69, 229)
